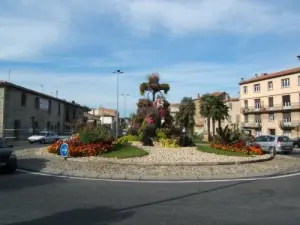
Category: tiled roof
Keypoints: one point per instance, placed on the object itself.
(271, 75)
(232, 100)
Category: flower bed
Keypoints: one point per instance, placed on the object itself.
(78, 149)
(240, 147)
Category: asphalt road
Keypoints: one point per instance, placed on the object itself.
(32, 199)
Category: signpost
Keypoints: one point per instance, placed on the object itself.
(64, 150)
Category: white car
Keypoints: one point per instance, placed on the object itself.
(43, 137)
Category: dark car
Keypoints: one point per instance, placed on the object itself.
(8, 159)
(296, 142)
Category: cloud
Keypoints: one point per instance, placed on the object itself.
(197, 16)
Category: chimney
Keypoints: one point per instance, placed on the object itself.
(56, 95)
(256, 75)
(242, 79)
(199, 96)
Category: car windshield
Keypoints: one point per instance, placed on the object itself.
(42, 133)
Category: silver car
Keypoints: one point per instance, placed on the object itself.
(269, 143)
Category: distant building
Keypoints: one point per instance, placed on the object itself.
(24, 111)
(174, 108)
(201, 124)
(106, 116)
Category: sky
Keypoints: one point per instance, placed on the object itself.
(197, 46)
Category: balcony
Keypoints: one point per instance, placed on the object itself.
(255, 125)
(274, 108)
(289, 125)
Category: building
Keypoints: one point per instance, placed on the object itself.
(234, 110)
(174, 108)
(201, 123)
(106, 116)
(270, 103)
(24, 111)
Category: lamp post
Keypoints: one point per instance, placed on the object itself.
(125, 95)
(117, 113)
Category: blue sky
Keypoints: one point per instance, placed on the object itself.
(197, 46)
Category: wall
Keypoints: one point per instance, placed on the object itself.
(15, 111)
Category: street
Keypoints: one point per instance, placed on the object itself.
(34, 199)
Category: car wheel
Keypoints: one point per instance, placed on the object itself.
(43, 141)
(272, 151)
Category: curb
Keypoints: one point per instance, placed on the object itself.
(186, 179)
(177, 163)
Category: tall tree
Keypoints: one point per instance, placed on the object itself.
(219, 111)
(207, 102)
(186, 115)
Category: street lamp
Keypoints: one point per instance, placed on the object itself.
(117, 113)
(125, 95)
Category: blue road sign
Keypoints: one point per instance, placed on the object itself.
(64, 150)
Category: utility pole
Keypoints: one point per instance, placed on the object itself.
(117, 113)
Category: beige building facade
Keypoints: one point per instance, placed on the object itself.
(23, 111)
(270, 103)
(233, 121)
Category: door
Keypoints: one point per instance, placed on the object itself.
(262, 141)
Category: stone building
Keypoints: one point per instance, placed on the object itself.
(24, 111)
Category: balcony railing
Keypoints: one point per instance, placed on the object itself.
(264, 108)
(251, 124)
(290, 124)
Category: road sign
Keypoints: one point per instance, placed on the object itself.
(64, 150)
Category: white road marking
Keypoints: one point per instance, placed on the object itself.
(165, 181)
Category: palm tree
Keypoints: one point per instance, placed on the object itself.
(206, 104)
(219, 111)
(185, 117)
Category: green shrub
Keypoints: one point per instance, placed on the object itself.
(168, 143)
(160, 133)
(93, 134)
(126, 139)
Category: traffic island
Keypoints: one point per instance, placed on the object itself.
(39, 160)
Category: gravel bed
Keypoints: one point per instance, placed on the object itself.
(40, 160)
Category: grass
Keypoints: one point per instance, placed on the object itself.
(125, 151)
(209, 149)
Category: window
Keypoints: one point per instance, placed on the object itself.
(37, 103)
(245, 89)
(257, 119)
(270, 85)
(286, 136)
(272, 131)
(286, 101)
(246, 118)
(298, 80)
(257, 103)
(58, 112)
(50, 106)
(230, 105)
(285, 82)
(74, 114)
(256, 87)
(271, 117)
(271, 102)
(23, 99)
(246, 104)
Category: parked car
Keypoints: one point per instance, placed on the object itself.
(269, 143)
(8, 159)
(296, 142)
(43, 137)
